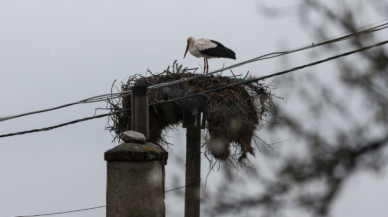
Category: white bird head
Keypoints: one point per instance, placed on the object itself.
(190, 40)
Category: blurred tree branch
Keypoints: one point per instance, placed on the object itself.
(343, 132)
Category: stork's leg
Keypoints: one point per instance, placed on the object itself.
(207, 66)
(204, 65)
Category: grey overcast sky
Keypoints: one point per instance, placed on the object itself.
(56, 52)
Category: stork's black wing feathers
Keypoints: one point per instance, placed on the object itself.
(219, 51)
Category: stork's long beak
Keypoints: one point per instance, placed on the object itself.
(187, 49)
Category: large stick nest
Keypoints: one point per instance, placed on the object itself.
(232, 115)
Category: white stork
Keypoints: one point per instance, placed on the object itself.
(208, 49)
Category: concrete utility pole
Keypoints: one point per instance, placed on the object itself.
(140, 121)
(192, 121)
(135, 169)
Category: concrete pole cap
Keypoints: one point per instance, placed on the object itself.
(133, 137)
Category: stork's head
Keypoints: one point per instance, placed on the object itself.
(190, 41)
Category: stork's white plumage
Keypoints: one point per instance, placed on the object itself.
(208, 49)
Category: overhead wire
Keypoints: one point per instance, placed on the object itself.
(97, 207)
(57, 213)
(205, 92)
(109, 96)
(104, 97)
(358, 29)
(277, 54)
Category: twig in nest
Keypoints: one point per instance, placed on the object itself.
(223, 107)
(151, 73)
(223, 66)
(201, 67)
(211, 169)
(156, 111)
(111, 88)
(246, 75)
(161, 73)
(233, 74)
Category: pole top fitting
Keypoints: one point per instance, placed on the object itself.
(139, 90)
(133, 137)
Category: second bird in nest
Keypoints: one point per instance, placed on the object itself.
(207, 49)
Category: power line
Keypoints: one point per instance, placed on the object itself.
(277, 54)
(97, 207)
(182, 186)
(358, 29)
(88, 100)
(205, 92)
(64, 124)
(56, 213)
(278, 73)
(105, 97)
